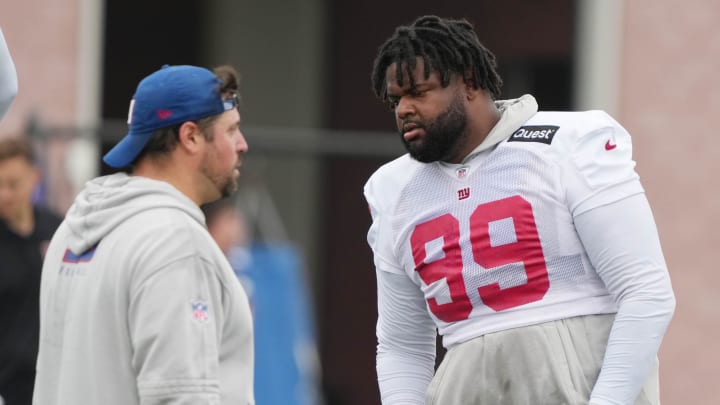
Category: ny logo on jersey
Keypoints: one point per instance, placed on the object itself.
(463, 193)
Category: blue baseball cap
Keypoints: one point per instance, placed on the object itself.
(167, 97)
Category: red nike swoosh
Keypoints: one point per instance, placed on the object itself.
(610, 146)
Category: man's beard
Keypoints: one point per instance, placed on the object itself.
(228, 186)
(225, 184)
(444, 137)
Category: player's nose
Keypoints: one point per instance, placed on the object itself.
(405, 108)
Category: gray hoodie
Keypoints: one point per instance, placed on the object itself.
(139, 305)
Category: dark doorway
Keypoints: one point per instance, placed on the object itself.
(140, 37)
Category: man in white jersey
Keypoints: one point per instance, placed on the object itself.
(8, 77)
(524, 237)
(138, 305)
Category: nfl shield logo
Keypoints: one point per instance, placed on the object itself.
(461, 172)
(200, 311)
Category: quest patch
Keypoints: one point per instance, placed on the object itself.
(534, 133)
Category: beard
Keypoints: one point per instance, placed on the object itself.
(444, 137)
(225, 183)
(228, 186)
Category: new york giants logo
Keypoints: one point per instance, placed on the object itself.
(463, 193)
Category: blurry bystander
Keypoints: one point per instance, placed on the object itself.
(25, 230)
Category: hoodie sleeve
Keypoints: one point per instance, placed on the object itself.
(8, 77)
(175, 320)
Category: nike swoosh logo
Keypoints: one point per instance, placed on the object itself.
(610, 146)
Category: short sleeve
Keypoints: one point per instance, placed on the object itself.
(379, 237)
(600, 169)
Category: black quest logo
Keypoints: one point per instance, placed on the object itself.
(534, 133)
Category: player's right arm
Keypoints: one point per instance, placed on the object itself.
(406, 334)
(8, 77)
(406, 341)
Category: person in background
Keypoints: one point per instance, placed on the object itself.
(524, 237)
(287, 367)
(227, 225)
(25, 230)
(138, 305)
(8, 77)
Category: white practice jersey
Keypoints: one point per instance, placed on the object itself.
(491, 242)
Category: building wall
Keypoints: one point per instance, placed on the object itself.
(279, 48)
(669, 98)
(43, 39)
(56, 48)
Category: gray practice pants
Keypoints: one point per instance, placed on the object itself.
(553, 363)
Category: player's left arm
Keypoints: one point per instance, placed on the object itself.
(616, 226)
(621, 241)
(8, 77)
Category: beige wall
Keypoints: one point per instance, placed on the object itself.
(669, 98)
(43, 39)
(56, 46)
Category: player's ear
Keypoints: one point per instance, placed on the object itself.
(470, 86)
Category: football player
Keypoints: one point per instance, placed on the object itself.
(524, 237)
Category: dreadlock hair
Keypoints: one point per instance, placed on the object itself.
(446, 46)
(164, 140)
